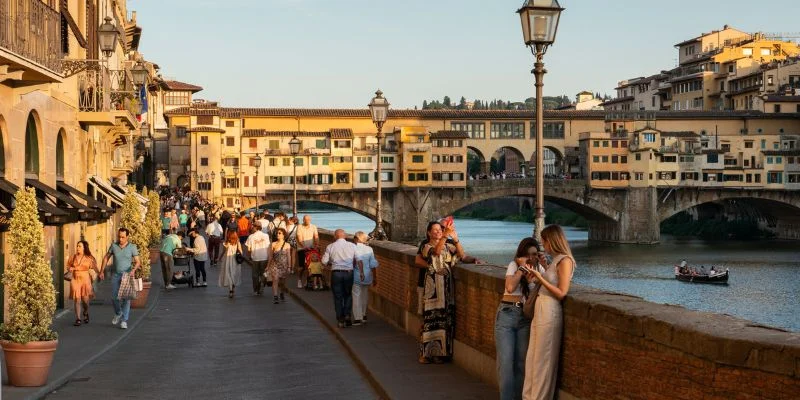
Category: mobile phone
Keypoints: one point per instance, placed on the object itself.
(525, 268)
(447, 221)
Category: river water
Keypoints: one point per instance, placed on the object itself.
(764, 285)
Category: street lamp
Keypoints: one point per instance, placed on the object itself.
(107, 35)
(294, 148)
(213, 175)
(379, 108)
(139, 74)
(257, 164)
(539, 25)
(188, 169)
(238, 185)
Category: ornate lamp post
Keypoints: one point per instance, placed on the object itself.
(539, 25)
(139, 74)
(107, 35)
(238, 185)
(188, 169)
(205, 185)
(379, 108)
(294, 148)
(213, 175)
(257, 164)
(223, 184)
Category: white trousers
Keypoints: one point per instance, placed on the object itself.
(360, 301)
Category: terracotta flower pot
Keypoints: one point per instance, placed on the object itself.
(154, 258)
(141, 299)
(28, 364)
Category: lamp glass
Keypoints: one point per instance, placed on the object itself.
(139, 73)
(236, 170)
(107, 35)
(379, 108)
(257, 161)
(294, 145)
(539, 20)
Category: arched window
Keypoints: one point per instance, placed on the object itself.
(2, 152)
(60, 156)
(31, 148)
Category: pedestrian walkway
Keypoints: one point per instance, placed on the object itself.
(199, 344)
(80, 346)
(389, 357)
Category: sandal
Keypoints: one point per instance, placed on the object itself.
(77, 322)
(275, 300)
(230, 294)
(85, 317)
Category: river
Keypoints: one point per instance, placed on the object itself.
(764, 284)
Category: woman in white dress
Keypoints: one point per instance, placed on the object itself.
(541, 362)
(230, 274)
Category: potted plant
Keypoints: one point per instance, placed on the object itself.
(153, 221)
(27, 338)
(133, 218)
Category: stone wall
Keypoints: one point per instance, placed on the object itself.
(615, 346)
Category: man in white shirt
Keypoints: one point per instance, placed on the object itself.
(264, 222)
(307, 239)
(258, 248)
(214, 232)
(341, 255)
(200, 252)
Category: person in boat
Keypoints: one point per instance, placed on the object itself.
(703, 270)
(712, 271)
(683, 268)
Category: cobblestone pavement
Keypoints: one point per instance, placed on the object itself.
(198, 344)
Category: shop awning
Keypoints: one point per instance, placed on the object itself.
(77, 194)
(124, 190)
(104, 187)
(61, 200)
(48, 212)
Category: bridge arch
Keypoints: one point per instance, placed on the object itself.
(508, 159)
(771, 204)
(553, 161)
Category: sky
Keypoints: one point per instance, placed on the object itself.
(337, 53)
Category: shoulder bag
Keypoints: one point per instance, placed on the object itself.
(239, 256)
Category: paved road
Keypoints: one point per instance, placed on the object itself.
(198, 344)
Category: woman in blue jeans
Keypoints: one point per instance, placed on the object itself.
(511, 328)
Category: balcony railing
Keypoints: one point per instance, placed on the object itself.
(102, 90)
(31, 29)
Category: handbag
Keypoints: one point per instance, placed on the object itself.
(239, 257)
(68, 276)
(529, 306)
(127, 291)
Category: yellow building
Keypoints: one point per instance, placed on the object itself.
(415, 156)
(448, 158)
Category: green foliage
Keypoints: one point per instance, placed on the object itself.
(153, 217)
(549, 103)
(682, 224)
(28, 279)
(133, 218)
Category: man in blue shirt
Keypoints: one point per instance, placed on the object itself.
(363, 277)
(126, 259)
(341, 256)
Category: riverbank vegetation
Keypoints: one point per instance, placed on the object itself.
(553, 215)
(683, 225)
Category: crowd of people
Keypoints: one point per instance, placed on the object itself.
(528, 323)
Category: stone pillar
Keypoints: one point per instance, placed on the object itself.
(411, 210)
(638, 220)
(485, 167)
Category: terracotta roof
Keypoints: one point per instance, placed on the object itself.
(341, 133)
(449, 135)
(265, 133)
(680, 134)
(175, 85)
(205, 129)
(225, 113)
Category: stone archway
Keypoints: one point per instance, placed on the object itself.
(3, 141)
(60, 155)
(507, 159)
(476, 162)
(32, 145)
(553, 162)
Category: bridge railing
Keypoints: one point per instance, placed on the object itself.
(523, 182)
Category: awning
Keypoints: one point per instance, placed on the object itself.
(124, 190)
(58, 198)
(48, 213)
(90, 202)
(105, 189)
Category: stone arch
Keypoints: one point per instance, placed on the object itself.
(553, 161)
(33, 142)
(482, 164)
(3, 142)
(183, 181)
(60, 154)
(769, 203)
(511, 158)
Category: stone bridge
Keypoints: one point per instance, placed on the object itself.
(629, 215)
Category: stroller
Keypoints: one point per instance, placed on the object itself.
(314, 271)
(182, 277)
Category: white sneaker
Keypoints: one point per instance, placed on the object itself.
(170, 286)
(116, 319)
(299, 284)
(123, 325)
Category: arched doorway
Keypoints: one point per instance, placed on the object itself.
(32, 147)
(476, 162)
(60, 155)
(507, 160)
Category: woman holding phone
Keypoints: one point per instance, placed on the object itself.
(511, 327)
(541, 363)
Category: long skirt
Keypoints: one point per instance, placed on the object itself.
(541, 363)
(438, 316)
(231, 272)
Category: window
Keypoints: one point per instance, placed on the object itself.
(229, 124)
(246, 181)
(763, 144)
(726, 147)
(776, 108)
(180, 131)
(253, 143)
(321, 144)
(298, 161)
(273, 162)
(614, 159)
(363, 178)
(638, 157)
(417, 158)
(176, 98)
(205, 120)
(605, 143)
(341, 144)
(552, 130)
(596, 143)
(623, 159)
(230, 141)
(748, 145)
(747, 51)
(364, 159)
(639, 176)
(286, 161)
(712, 158)
(435, 158)
(473, 130)
(457, 143)
(314, 160)
(765, 52)
(605, 159)
(342, 177)
(615, 144)
(203, 161)
(775, 177)
(230, 183)
(422, 177)
(387, 159)
(649, 137)
(204, 140)
(507, 130)
(778, 160)
(325, 160)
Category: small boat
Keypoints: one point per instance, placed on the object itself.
(687, 274)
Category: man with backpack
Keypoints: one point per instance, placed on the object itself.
(243, 227)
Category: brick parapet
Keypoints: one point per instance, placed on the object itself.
(615, 345)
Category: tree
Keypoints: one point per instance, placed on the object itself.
(446, 101)
(424, 104)
(462, 104)
(28, 280)
(153, 216)
(133, 219)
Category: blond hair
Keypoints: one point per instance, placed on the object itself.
(554, 235)
(362, 237)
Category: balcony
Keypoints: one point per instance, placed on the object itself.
(669, 149)
(417, 148)
(107, 97)
(123, 161)
(30, 42)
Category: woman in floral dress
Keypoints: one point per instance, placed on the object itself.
(281, 259)
(230, 274)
